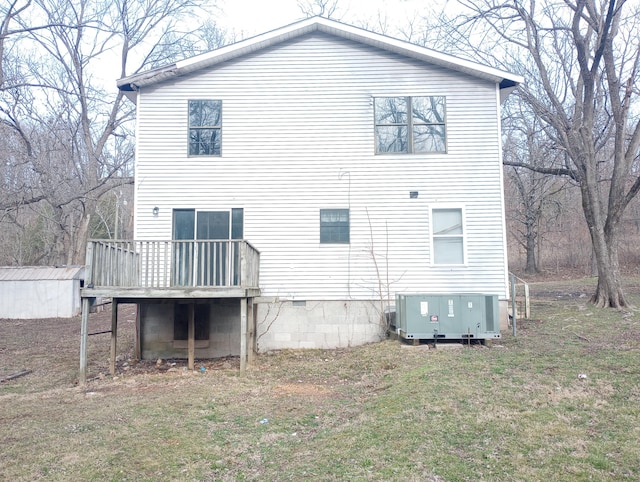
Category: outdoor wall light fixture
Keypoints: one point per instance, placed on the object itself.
(413, 194)
(156, 211)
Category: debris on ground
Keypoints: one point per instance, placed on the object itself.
(19, 374)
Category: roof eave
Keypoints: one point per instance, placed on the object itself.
(131, 84)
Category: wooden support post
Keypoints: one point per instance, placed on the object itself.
(243, 335)
(191, 345)
(252, 331)
(86, 306)
(84, 333)
(114, 334)
(137, 349)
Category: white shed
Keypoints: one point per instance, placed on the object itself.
(40, 291)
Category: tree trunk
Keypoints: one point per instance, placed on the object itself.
(80, 240)
(531, 266)
(81, 234)
(609, 292)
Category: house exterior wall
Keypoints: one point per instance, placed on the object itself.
(297, 137)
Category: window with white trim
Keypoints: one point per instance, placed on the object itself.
(334, 226)
(448, 236)
(205, 127)
(410, 124)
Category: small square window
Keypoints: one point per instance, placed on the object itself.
(205, 127)
(334, 226)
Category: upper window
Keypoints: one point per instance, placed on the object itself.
(410, 124)
(205, 127)
(334, 226)
(448, 237)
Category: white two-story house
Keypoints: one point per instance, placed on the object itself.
(288, 186)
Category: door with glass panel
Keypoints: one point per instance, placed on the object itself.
(201, 247)
(213, 230)
(204, 252)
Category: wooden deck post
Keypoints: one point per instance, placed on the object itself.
(137, 349)
(114, 334)
(84, 333)
(86, 307)
(191, 344)
(243, 334)
(252, 331)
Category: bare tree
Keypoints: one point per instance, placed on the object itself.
(581, 59)
(71, 138)
(532, 193)
(532, 204)
(322, 8)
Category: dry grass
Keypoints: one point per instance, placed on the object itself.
(514, 411)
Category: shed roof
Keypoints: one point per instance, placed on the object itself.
(39, 273)
(129, 85)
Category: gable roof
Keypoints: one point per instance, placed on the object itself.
(129, 85)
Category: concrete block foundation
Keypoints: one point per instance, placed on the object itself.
(316, 324)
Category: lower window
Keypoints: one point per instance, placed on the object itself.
(334, 226)
(448, 236)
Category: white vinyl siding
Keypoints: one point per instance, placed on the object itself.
(299, 137)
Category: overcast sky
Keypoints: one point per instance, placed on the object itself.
(252, 17)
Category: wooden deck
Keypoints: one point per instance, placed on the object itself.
(129, 271)
(171, 269)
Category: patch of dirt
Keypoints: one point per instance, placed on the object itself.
(528, 324)
(50, 347)
(626, 340)
(175, 366)
(301, 389)
(562, 295)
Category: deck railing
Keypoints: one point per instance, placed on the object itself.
(172, 264)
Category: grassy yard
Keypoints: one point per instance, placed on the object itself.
(517, 410)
